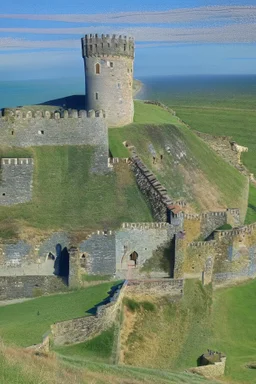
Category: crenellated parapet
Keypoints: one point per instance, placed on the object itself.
(107, 45)
(16, 161)
(18, 114)
(204, 244)
(159, 225)
(246, 229)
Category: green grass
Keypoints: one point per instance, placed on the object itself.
(19, 367)
(238, 123)
(97, 349)
(187, 177)
(21, 324)
(251, 211)
(91, 278)
(67, 196)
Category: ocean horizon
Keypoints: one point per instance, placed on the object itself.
(174, 88)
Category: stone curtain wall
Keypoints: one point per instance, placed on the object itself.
(170, 287)
(142, 238)
(83, 328)
(152, 189)
(16, 287)
(202, 225)
(16, 180)
(74, 128)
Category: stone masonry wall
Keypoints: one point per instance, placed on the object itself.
(142, 238)
(16, 287)
(99, 250)
(211, 370)
(28, 129)
(16, 180)
(170, 287)
(202, 225)
(83, 328)
(154, 192)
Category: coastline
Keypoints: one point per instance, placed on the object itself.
(137, 87)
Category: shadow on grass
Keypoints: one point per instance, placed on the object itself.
(112, 296)
(74, 102)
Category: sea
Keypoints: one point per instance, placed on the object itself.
(172, 89)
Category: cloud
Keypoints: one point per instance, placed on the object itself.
(234, 33)
(181, 15)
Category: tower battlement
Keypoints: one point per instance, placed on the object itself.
(107, 45)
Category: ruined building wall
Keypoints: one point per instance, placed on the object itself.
(143, 238)
(202, 225)
(16, 180)
(108, 62)
(236, 254)
(99, 253)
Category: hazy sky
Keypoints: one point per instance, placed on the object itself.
(42, 39)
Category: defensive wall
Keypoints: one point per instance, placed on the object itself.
(67, 127)
(108, 62)
(16, 287)
(83, 328)
(230, 256)
(156, 288)
(16, 180)
(202, 225)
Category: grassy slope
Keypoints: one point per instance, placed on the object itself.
(220, 120)
(179, 333)
(197, 177)
(67, 196)
(21, 324)
(21, 367)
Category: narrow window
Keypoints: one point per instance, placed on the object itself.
(128, 70)
(118, 85)
(12, 132)
(91, 47)
(97, 96)
(97, 69)
(102, 45)
(111, 64)
(95, 47)
(108, 45)
(124, 47)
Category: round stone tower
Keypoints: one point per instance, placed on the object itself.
(108, 62)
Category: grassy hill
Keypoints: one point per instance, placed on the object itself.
(67, 196)
(189, 169)
(174, 335)
(237, 118)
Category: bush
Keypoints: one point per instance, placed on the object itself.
(131, 304)
(148, 306)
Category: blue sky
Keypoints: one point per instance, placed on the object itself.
(42, 39)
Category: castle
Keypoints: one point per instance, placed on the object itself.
(194, 246)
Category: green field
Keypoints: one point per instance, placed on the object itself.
(200, 177)
(67, 196)
(199, 322)
(25, 323)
